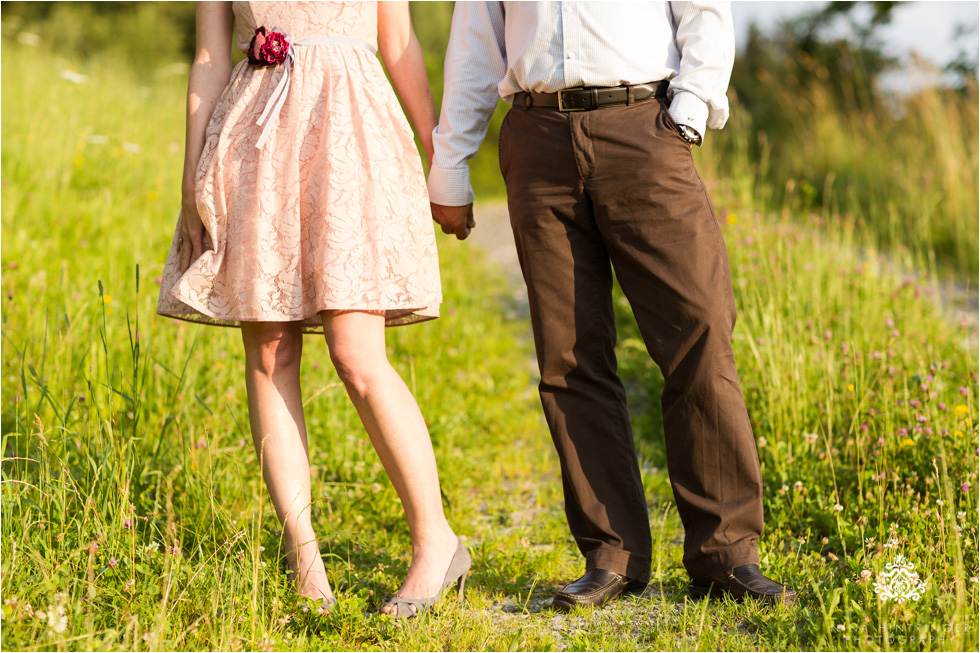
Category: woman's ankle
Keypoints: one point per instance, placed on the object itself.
(434, 536)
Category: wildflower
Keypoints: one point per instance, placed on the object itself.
(113, 562)
(840, 628)
(850, 387)
(838, 507)
(56, 617)
(865, 576)
(73, 77)
(128, 524)
(731, 218)
(828, 335)
(907, 442)
(781, 491)
(961, 516)
(890, 323)
(128, 585)
(862, 521)
(763, 442)
(964, 391)
(798, 486)
(961, 410)
(965, 487)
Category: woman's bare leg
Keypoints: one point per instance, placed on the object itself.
(399, 435)
(275, 412)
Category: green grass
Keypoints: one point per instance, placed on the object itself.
(134, 516)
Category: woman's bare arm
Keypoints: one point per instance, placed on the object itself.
(402, 57)
(209, 76)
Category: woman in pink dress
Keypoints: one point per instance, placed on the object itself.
(305, 211)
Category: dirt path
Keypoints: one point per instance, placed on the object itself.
(957, 301)
(494, 236)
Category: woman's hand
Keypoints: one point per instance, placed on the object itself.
(190, 242)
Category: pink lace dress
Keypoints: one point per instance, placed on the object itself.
(331, 211)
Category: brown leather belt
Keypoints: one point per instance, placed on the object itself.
(592, 97)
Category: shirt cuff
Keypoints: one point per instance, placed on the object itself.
(450, 186)
(688, 109)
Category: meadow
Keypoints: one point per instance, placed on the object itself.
(134, 516)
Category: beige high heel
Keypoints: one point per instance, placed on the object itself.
(459, 567)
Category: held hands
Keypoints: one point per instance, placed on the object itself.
(456, 220)
(190, 242)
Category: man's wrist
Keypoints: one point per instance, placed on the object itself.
(690, 134)
(688, 109)
(450, 186)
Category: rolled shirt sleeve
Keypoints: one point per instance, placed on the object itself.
(705, 40)
(475, 64)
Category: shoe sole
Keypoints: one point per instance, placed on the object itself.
(714, 593)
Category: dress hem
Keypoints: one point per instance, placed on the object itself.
(394, 316)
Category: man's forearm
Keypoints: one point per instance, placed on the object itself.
(475, 64)
(706, 43)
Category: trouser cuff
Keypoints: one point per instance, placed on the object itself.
(623, 563)
(741, 553)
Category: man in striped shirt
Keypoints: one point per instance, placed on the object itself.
(608, 100)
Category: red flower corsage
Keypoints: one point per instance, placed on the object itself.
(267, 48)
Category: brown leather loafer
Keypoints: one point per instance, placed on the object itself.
(596, 587)
(745, 581)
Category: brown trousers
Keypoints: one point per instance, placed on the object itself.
(618, 185)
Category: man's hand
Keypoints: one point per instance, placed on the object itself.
(454, 219)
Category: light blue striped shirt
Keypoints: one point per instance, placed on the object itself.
(497, 49)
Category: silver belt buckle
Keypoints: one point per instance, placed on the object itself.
(561, 102)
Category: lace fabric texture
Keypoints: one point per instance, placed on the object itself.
(332, 212)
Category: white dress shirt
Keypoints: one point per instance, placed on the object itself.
(497, 49)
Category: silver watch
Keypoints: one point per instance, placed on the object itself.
(690, 134)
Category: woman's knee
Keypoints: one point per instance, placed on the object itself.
(357, 367)
(272, 347)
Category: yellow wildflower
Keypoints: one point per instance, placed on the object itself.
(731, 219)
(961, 410)
(907, 442)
